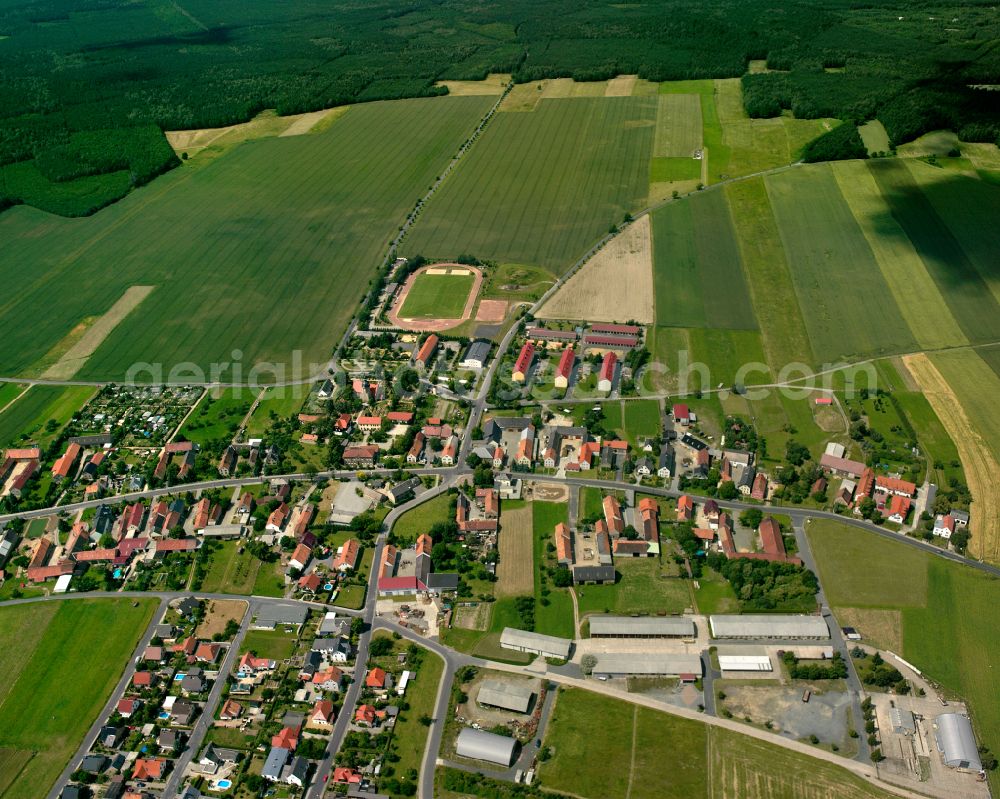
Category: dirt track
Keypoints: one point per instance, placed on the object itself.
(981, 468)
(615, 285)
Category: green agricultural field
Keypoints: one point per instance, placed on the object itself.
(668, 170)
(959, 281)
(284, 232)
(698, 277)
(640, 588)
(9, 392)
(281, 402)
(541, 187)
(678, 127)
(944, 610)
(41, 413)
(768, 275)
(437, 296)
(875, 138)
(423, 517)
(831, 262)
(704, 761)
(45, 709)
(218, 416)
(917, 296)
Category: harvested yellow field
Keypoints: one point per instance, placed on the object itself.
(615, 285)
(525, 96)
(267, 124)
(622, 86)
(494, 84)
(83, 347)
(978, 461)
(915, 291)
(515, 571)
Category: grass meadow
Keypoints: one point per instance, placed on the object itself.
(421, 518)
(231, 572)
(45, 706)
(641, 588)
(282, 231)
(539, 188)
(946, 610)
(218, 415)
(554, 611)
(437, 296)
(282, 402)
(704, 761)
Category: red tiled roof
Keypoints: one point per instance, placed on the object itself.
(348, 557)
(566, 361)
(427, 349)
(400, 416)
(563, 543)
(896, 485)
(623, 330)
(524, 358)
(608, 366)
(375, 678)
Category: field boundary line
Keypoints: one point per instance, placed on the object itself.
(631, 767)
(25, 391)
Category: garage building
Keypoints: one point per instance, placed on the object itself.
(641, 627)
(769, 626)
(482, 745)
(957, 742)
(509, 696)
(535, 643)
(646, 664)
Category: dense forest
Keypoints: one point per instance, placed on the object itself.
(87, 85)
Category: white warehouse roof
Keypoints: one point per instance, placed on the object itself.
(766, 625)
(957, 742)
(510, 696)
(482, 745)
(745, 663)
(674, 627)
(525, 641)
(647, 664)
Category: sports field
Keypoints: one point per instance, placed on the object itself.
(541, 187)
(945, 609)
(283, 231)
(41, 413)
(45, 706)
(438, 296)
(703, 761)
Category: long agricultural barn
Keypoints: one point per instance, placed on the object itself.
(509, 696)
(769, 626)
(641, 627)
(547, 645)
(957, 742)
(482, 745)
(646, 664)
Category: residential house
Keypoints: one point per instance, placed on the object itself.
(685, 508)
(944, 526)
(347, 556)
(564, 545)
(360, 457)
(322, 716)
(300, 557)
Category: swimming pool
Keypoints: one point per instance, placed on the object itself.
(224, 785)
